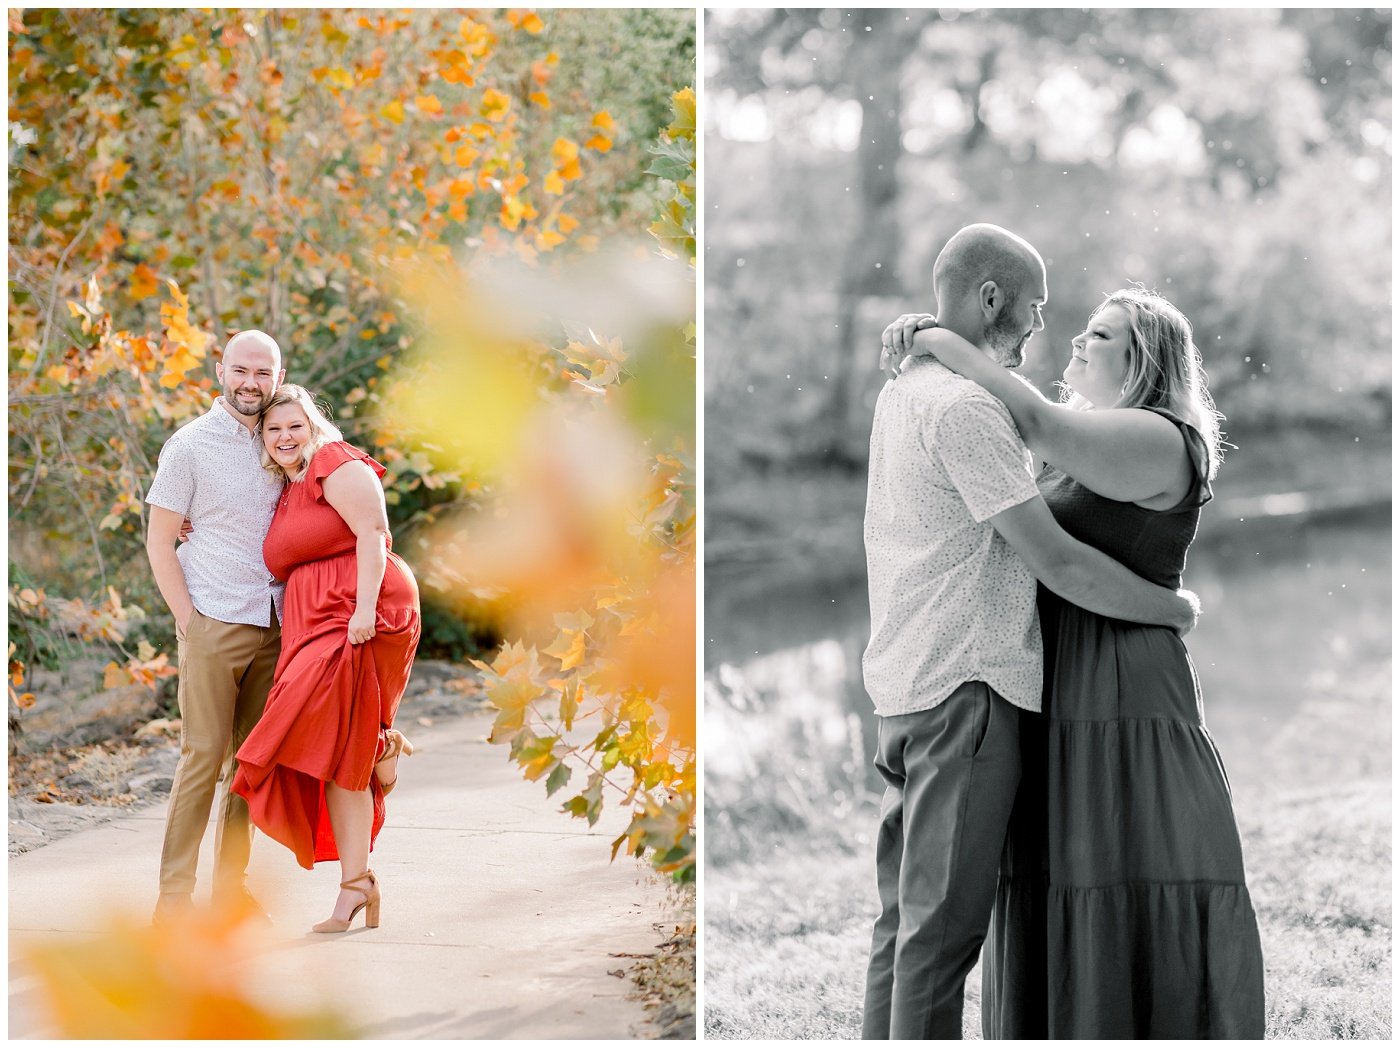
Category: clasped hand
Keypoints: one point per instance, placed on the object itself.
(361, 625)
(897, 340)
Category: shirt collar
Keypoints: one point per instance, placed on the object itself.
(225, 423)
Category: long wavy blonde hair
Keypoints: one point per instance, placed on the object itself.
(1165, 369)
(323, 430)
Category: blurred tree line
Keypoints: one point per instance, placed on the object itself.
(177, 175)
(1239, 161)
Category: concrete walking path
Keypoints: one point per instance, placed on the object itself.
(502, 918)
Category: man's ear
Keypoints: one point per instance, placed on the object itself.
(989, 298)
(281, 376)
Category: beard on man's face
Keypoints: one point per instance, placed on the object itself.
(1006, 338)
(245, 407)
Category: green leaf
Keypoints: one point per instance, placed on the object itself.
(558, 779)
(594, 797)
(669, 168)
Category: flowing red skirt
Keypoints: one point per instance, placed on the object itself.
(330, 704)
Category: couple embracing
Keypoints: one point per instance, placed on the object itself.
(1051, 787)
(296, 629)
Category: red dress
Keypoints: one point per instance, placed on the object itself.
(330, 700)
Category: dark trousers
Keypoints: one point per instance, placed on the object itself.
(950, 778)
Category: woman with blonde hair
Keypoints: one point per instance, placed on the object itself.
(318, 764)
(1121, 908)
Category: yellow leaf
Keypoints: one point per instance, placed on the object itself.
(340, 78)
(567, 224)
(428, 104)
(549, 240)
(684, 124)
(512, 211)
(392, 111)
(494, 105)
(466, 156)
(60, 374)
(553, 183)
(568, 648)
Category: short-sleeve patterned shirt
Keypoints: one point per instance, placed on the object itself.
(950, 600)
(211, 471)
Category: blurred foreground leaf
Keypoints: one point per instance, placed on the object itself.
(173, 982)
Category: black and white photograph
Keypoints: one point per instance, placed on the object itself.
(1047, 509)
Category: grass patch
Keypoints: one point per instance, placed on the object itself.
(787, 937)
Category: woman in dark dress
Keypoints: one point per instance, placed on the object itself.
(1122, 910)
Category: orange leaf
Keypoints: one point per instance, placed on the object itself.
(599, 142)
(428, 104)
(603, 119)
(540, 99)
(564, 150)
(144, 282)
(114, 676)
(466, 156)
(393, 111)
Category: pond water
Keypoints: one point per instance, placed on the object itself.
(1289, 612)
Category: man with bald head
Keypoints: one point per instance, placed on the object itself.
(227, 610)
(956, 536)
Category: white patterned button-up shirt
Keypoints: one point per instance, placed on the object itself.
(211, 471)
(950, 600)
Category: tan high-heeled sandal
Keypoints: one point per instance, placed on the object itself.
(370, 905)
(396, 744)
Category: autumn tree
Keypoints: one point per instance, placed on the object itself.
(177, 175)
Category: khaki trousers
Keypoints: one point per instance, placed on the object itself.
(225, 672)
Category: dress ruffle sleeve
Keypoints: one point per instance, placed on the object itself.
(329, 459)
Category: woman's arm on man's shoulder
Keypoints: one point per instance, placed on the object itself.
(1124, 454)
